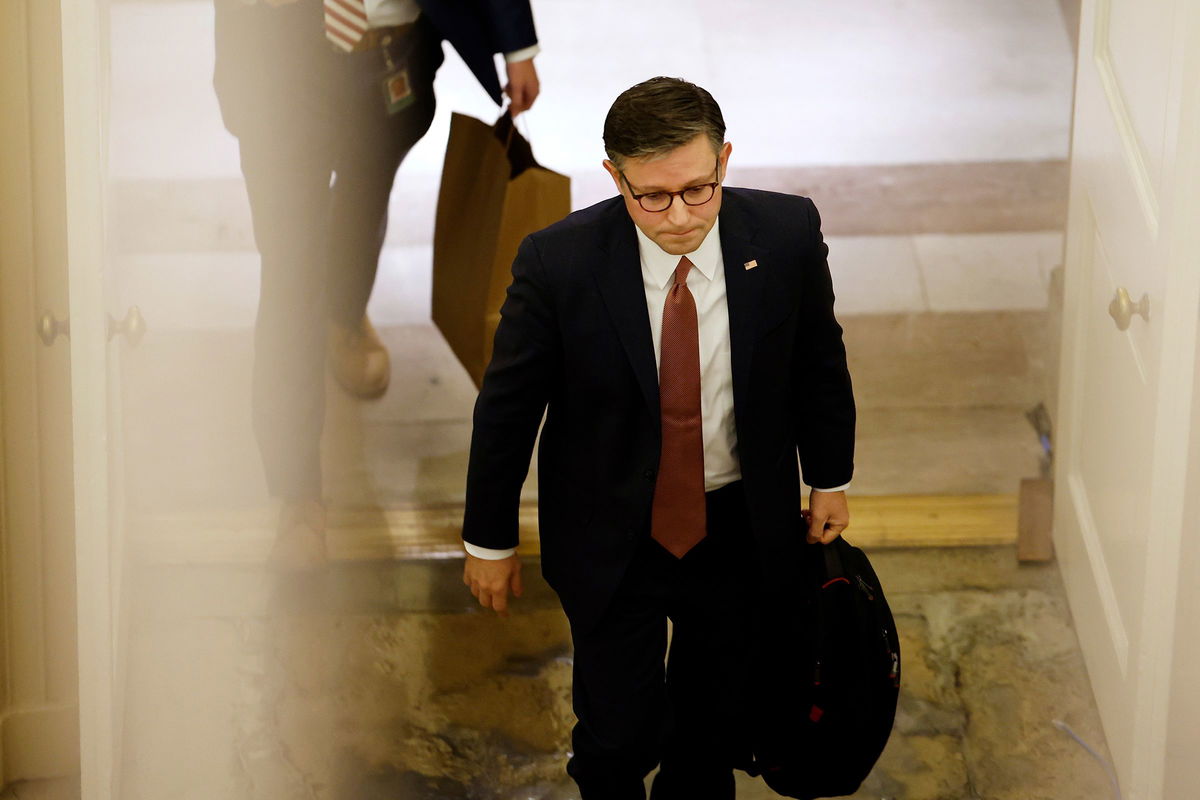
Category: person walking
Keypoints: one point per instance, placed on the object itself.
(680, 341)
(326, 97)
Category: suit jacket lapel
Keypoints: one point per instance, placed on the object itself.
(619, 277)
(745, 289)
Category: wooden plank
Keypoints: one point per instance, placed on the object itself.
(432, 531)
(933, 520)
(1036, 520)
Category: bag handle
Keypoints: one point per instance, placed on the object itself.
(834, 572)
(509, 125)
(834, 568)
(520, 154)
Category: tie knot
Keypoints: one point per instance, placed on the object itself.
(681, 271)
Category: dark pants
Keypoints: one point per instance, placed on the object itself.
(319, 153)
(690, 717)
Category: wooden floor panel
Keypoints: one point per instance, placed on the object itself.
(432, 531)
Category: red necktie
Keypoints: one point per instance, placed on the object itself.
(678, 515)
(345, 22)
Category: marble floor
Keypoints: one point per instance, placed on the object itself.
(933, 139)
(933, 136)
(898, 103)
(802, 83)
(383, 680)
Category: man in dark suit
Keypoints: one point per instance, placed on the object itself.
(680, 340)
(326, 98)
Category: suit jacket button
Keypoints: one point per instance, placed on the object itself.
(648, 474)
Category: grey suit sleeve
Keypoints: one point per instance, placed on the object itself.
(827, 412)
(512, 399)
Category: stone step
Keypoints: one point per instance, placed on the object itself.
(935, 393)
(212, 213)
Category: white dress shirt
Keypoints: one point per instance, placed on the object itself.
(385, 13)
(706, 282)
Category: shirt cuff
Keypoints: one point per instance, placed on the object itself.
(841, 488)
(524, 54)
(488, 553)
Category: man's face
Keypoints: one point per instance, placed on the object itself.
(680, 228)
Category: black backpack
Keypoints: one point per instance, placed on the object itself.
(830, 663)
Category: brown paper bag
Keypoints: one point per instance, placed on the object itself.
(493, 195)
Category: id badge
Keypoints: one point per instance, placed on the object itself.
(397, 92)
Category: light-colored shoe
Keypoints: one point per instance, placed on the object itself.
(300, 538)
(358, 360)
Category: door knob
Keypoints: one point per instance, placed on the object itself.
(49, 328)
(133, 326)
(1122, 308)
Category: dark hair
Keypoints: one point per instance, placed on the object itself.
(658, 115)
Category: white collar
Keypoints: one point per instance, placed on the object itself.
(661, 265)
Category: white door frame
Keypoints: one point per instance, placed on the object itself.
(83, 92)
(39, 727)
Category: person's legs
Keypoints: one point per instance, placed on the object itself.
(288, 191)
(273, 82)
(691, 716)
(370, 147)
(619, 686)
(372, 141)
(708, 672)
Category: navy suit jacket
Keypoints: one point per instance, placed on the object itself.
(574, 342)
(272, 64)
(478, 29)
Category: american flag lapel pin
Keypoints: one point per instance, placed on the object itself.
(750, 264)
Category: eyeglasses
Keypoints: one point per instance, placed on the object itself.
(656, 202)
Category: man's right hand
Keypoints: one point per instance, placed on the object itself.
(523, 86)
(491, 581)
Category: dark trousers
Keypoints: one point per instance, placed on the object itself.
(319, 152)
(689, 717)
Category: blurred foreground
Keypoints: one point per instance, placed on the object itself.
(383, 680)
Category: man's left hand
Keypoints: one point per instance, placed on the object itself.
(830, 516)
(522, 87)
